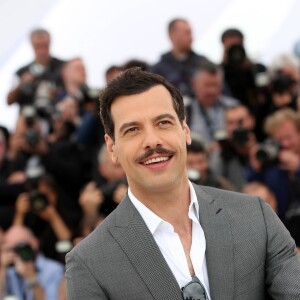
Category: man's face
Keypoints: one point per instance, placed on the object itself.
(181, 36)
(207, 88)
(40, 44)
(197, 161)
(110, 170)
(238, 117)
(150, 142)
(75, 72)
(287, 136)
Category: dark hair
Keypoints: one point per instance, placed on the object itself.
(232, 32)
(112, 69)
(39, 31)
(131, 82)
(5, 133)
(136, 63)
(207, 67)
(173, 22)
(196, 146)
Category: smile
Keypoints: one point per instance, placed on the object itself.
(156, 160)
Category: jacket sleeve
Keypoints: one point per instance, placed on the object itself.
(282, 260)
(81, 284)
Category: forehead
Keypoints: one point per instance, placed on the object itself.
(286, 128)
(182, 25)
(40, 38)
(206, 77)
(153, 102)
(236, 114)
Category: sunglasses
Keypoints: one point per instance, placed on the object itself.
(194, 290)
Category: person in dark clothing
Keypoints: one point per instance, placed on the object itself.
(198, 166)
(240, 73)
(42, 209)
(280, 171)
(37, 80)
(178, 65)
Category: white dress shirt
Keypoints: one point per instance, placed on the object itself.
(170, 245)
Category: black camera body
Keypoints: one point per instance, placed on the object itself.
(109, 188)
(236, 55)
(32, 137)
(240, 136)
(38, 201)
(25, 251)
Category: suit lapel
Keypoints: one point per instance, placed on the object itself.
(219, 247)
(135, 239)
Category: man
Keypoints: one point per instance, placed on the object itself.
(281, 173)
(205, 114)
(199, 171)
(232, 158)
(177, 66)
(168, 234)
(24, 272)
(241, 75)
(36, 81)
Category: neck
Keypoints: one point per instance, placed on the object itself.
(44, 62)
(179, 54)
(171, 205)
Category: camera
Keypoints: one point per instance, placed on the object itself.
(194, 175)
(32, 137)
(25, 251)
(282, 83)
(38, 201)
(110, 187)
(236, 55)
(29, 113)
(267, 153)
(240, 136)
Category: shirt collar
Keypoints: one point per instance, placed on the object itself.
(153, 221)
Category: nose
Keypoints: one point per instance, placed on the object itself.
(151, 139)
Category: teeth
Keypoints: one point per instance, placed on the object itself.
(155, 160)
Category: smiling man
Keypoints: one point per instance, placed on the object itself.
(170, 239)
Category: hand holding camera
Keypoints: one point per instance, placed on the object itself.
(90, 199)
(289, 160)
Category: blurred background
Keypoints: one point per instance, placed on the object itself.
(110, 32)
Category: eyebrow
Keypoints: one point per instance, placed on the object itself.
(164, 116)
(126, 125)
(155, 119)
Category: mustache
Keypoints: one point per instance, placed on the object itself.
(158, 150)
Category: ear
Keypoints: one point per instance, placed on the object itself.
(110, 145)
(187, 132)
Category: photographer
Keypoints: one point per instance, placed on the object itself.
(24, 272)
(73, 74)
(280, 170)
(28, 141)
(39, 210)
(199, 171)
(36, 81)
(240, 73)
(110, 179)
(205, 113)
(231, 158)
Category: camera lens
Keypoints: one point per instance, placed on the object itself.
(25, 251)
(38, 201)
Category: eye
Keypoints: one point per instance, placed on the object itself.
(131, 130)
(164, 122)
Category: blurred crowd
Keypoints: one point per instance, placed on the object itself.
(57, 182)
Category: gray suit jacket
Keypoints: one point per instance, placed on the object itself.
(248, 252)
